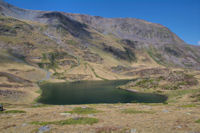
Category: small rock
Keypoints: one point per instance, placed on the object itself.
(1, 107)
(65, 114)
(91, 115)
(84, 107)
(133, 130)
(188, 113)
(76, 118)
(178, 126)
(24, 124)
(44, 129)
(147, 107)
(165, 111)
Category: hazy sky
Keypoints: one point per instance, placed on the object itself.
(180, 16)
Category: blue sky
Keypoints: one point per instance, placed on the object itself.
(180, 16)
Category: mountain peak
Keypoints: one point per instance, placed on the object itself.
(120, 37)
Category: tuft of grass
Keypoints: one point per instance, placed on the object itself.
(79, 110)
(188, 105)
(133, 111)
(71, 121)
(197, 121)
(12, 111)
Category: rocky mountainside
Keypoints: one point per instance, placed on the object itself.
(76, 46)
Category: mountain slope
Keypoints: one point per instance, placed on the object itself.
(75, 46)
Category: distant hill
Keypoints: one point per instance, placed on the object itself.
(77, 46)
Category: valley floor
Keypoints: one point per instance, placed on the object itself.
(180, 114)
(116, 118)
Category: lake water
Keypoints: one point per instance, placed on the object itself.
(91, 92)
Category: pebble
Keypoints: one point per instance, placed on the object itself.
(146, 107)
(91, 115)
(188, 113)
(65, 114)
(178, 126)
(76, 118)
(24, 124)
(165, 111)
(133, 130)
(44, 129)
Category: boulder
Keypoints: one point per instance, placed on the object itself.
(1, 107)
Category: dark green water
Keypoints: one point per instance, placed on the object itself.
(88, 92)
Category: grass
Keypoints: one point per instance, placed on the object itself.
(96, 73)
(157, 57)
(12, 112)
(71, 121)
(188, 105)
(133, 111)
(71, 42)
(39, 105)
(174, 95)
(79, 110)
(197, 121)
(147, 83)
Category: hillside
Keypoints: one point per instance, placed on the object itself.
(38, 47)
(87, 39)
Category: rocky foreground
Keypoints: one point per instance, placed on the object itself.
(102, 118)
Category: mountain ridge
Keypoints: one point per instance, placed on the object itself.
(91, 43)
(104, 22)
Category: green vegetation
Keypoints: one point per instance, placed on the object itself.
(59, 75)
(52, 60)
(39, 105)
(173, 95)
(173, 80)
(71, 121)
(49, 60)
(196, 96)
(79, 110)
(188, 105)
(71, 42)
(96, 73)
(7, 30)
(12, 111)
(172, 51)
(147, 83)
(197, 121)
(157, 57)
(176, 93)
(133, 111)
(131, 55)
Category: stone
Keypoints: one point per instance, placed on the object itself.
(84, 107)
(65, 114)
(24, 124)
(133, 130)
(165, 111)
(91, 115)
(188, 113)
(1, 107)
(178, 127)
(76, 118)
(44, 129)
